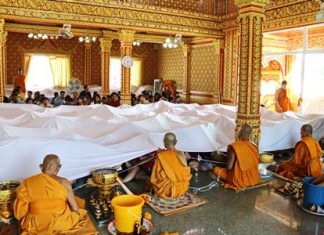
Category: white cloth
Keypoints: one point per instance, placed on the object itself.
(90, 137)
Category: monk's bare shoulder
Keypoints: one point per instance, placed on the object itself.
(65, 182)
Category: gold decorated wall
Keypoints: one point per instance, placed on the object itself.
(202, 68)
(204, 76)
(171, 65)
(18, 44)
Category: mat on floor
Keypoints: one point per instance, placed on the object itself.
(167, 207)
(259, 185)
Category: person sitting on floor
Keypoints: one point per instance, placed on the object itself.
(60, 100)
(29, 96)
(45, 203)
(85, 92)
(142, 171)
(114, 102)
(306, 160)
(170, 176)
(242, 162)
(45, 103)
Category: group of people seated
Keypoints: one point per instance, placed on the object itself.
(83, 98)
(46, 202)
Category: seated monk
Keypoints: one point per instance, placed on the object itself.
(306, 160)
(170, 174)
(46, 204)
(242, 162)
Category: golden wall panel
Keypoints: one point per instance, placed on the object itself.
(204, 69)
(18, 44)
(170, 65)
(96, 63)
(231, 54)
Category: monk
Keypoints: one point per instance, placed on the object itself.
(46, 204)
(20, 81)
(170, 174)
(306, 160)
(282, 101)
(242, 162)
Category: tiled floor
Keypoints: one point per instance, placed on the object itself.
(259, 211)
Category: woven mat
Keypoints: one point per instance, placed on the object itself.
(169, 207)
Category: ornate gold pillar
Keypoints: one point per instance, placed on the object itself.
(87, 63)
(126, 38)
(218, 44)
(251, 18)
(105, 44)
(186, 49)
(3, 39)
(231, 55)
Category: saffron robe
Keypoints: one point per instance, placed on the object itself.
(284, 101)
(20, 81)
(170, 178)
(306, 161)
(41, 207)
(245, 171)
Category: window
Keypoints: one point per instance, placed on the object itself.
(46, 71)
(300, 53)
(115, 73)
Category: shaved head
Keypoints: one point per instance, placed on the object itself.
(321, 142)
(170, 140)
(306, 130)
(245, 132)
(51, 164)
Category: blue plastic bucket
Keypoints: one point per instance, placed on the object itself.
(313, 194)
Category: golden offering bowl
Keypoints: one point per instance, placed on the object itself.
(8, 191)
(104, 176)
(266, 158)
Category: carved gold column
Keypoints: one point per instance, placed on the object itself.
(251, 18)
(186, 49)
(231, 54)
(218, 44)
(3, 39)
(126, 38)
(105, 44)
(87, 63)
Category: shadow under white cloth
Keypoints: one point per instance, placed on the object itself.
(90, 137)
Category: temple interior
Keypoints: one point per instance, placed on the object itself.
(213, 72)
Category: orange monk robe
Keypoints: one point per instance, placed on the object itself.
(306, 161)
(245, 171)
(20, 81)
(284, 101)
(41, 207)
(170, 177)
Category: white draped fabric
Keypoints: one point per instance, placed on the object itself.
(90, 137)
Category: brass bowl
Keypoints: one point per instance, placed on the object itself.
(266, 158)
(104, 176)
(8, 191)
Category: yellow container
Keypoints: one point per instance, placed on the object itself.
(128, 211)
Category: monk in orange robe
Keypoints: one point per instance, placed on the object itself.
(306, 160)
(242, 162)
(20, 81)
(283, 103)
(170, 176)
(46, 204)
